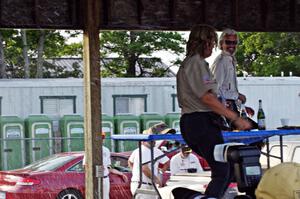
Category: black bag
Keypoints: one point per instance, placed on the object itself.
(219, 121)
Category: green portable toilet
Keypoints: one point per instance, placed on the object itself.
(150, 119)
(39, 130)
(173, 121)
(72, 131)
(108, 128)
(12, 143)
(126, 124)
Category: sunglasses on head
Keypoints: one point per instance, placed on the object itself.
(228, 42)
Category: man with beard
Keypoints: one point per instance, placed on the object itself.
(224, 71)
(224, 68)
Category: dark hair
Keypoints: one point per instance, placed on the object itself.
(186, 149)
(199, 36)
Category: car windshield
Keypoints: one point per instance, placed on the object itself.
(50, 163)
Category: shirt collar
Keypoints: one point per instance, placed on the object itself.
(227, 54)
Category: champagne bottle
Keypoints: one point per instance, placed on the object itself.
(261, 119)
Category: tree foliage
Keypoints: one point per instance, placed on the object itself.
(40, 45)
(265, 54)
(132, 49)
(259, 53)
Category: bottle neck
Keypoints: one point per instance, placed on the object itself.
(243, 106)
(260, 105)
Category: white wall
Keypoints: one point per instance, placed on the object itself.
(22, 96)
(158, 91)
(280, 95)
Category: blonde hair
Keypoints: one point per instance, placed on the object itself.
(227, 32)
(198, 38)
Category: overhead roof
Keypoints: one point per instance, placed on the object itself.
(242, 15)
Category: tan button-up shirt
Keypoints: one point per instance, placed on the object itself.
(194, 79)
(224, 71)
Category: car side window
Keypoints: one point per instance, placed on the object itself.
(120, 163)
(296, 155)
(78, 167)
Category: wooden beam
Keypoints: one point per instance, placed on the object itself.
(1, 11)
(92, 109)
(73, 10)
(106, 11)
(35, 13)
(292, 12)
(203, 11)
(235, 13)
(171, 10)
(139, 10)
(264, 13)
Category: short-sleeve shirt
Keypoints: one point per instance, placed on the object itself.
(224, 71)
(105, 158)
(194, 79)
(146, 156)
(181, 165)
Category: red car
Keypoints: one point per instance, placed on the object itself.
(60, 176)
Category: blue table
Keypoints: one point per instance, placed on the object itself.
(246, 137)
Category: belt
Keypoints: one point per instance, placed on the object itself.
(147, 183)
(105, 176)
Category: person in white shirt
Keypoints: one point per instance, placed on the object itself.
(134, 164)
(107, 169)
(224, 67)
(185, 162)
(224, 71)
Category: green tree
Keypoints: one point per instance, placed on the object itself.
(264, 54)
(7, 41)
(132, 48)
(23, 53)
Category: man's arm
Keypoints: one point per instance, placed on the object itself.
(147, 172)
(131, 159)
(211, 101)
(130, 164)
(115, 171)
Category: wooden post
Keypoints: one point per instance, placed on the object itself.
(92, 97)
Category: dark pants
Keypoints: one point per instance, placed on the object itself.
(201, 133)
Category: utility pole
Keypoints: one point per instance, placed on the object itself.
(92, 103)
